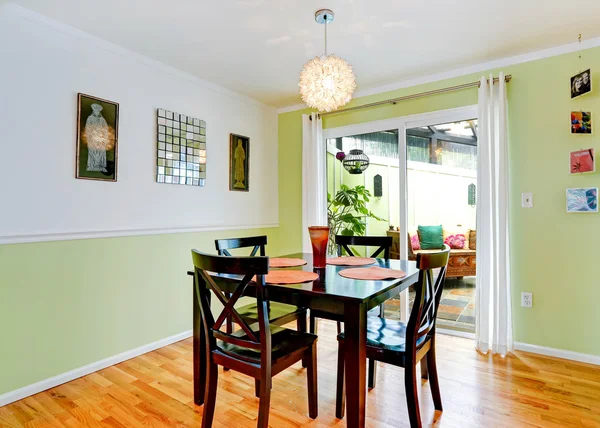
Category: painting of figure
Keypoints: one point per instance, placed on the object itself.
(581, 84)
(97, 138)
(239, 161)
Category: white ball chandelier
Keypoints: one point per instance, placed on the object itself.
(326, 82)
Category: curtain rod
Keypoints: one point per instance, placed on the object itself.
(394, 101)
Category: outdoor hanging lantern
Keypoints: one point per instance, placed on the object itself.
(356, 161)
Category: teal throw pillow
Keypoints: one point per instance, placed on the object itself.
(431, 237)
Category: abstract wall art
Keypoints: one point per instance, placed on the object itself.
(181, 149)
(583, 200)
(239, 162)
(581, 122)
(97, 138)
(582, 161)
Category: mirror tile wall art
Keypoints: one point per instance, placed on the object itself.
(181, 149)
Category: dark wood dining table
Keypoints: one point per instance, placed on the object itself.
(333, 293)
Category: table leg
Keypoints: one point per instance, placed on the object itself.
(355, 328)
(199, 354)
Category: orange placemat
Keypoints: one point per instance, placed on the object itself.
(372, 273)
(289, 277)
(282, 262)
(350, 261)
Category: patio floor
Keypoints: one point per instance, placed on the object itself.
(457, 307)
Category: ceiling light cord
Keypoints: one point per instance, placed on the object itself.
(325, 35)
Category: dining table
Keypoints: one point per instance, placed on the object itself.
(331, 292)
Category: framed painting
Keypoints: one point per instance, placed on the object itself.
(581, 122)
(582, 161)
(97, 138)
(581, 84)
(584, 200)
(239, 163)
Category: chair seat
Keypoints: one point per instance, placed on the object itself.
(386, 334)
(283, 342)
(277, 311)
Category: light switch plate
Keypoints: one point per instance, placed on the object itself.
(527, 200)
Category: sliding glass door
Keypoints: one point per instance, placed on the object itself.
(422, 171)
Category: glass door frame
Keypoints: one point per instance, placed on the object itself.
(402, 123)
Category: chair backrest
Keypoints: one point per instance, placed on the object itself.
(428, 295)
(205, 268)
(383, 244)
(257, 242)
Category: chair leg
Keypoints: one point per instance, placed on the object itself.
(412, 396)
(433, 378)
(313, 324)
(257, 388)
(424, 369)
(339, 327)
(340, 393)
(265, 402)
(311, 377)
(229, 326)
(301, 326)
(382, 311)
(372, 373)
(210, 395)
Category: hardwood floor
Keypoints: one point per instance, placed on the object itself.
(155, 390)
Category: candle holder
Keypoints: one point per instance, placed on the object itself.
(319, 235)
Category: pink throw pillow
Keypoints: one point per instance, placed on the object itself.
(456, 242)
(414, 242)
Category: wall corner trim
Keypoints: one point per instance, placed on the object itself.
(51, 382)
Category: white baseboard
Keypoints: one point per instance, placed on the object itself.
(45, 384)
(534, 349)
(558, 353)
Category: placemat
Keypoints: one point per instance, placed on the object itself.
(283, 262)
(350, 261)
(372, 273)
(290, 277)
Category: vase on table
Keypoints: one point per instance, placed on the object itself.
(319, 236)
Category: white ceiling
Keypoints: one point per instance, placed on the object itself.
(258, 47)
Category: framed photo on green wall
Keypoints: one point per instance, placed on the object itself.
(239, 163)
(97, 138)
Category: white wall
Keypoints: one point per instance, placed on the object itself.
(43, 65)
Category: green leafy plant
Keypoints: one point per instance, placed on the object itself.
(347, 213)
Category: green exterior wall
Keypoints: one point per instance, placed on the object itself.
(66, 304)
(554, 254)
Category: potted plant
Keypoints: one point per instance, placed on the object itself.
(347, 213)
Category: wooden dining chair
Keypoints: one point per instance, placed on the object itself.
(383, 245)
(260, 349)
(279, 313)
(405, 345)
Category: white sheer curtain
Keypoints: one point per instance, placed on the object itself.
(493, 305)
(314, 179)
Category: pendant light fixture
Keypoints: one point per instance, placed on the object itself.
(326, 82)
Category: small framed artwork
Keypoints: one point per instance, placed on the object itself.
(97, 138)
(582, 161)
(583, 200)
(239, 162)
(581, 122)
(581, 84)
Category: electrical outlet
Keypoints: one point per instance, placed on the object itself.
(526, 300)
(527, 200)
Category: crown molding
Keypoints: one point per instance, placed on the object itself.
(463, 71)
(43, 20)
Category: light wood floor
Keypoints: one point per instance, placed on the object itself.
(477, 391)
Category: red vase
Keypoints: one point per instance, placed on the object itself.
(319, 235)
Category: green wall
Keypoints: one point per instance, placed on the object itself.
(66, 304)
(553, 253)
